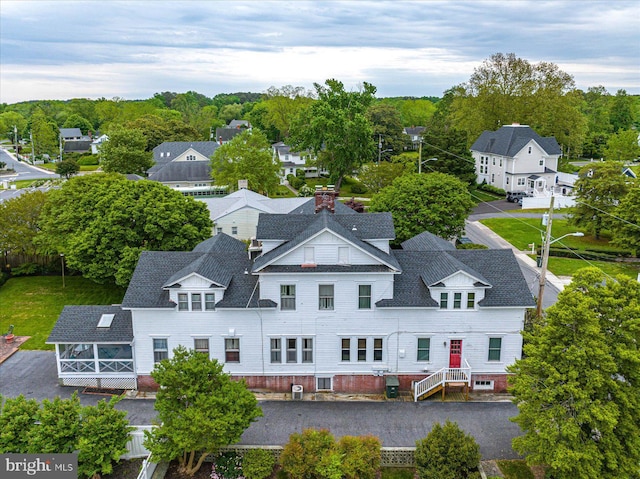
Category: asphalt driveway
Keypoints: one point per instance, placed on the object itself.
(33, 373)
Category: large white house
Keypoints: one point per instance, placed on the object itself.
(327, 305)
(516, 158)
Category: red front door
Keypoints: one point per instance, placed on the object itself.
(455, 353)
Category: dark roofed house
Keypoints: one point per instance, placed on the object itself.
(185, 166)
(516, 159)
(326, 304)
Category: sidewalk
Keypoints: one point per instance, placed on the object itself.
(558, 281)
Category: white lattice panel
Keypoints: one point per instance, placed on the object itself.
(107, 383)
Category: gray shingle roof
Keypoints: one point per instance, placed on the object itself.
(70, 133)
(176, 148)
(509, 140)
(426, 241)
(298, 228)
(499, 269)
(79, 324)
(182, 171)
(220, 242)
(228, 134)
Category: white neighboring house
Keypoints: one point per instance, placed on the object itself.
(185, 166)
(414, 134)
(237, 213)
(97, 143)
(327, 305)
(516, 158)
(291, 161)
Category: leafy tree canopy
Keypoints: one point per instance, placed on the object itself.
(577, 386)
(434, 202)
(102, 222)
(159, 128)
(336, 128)
(19, 218)
(622, 146)
(387, 129)
(598, 190)
(125, 152)
(626, 224)
(247, 156)
(67, 168)
(200, 408)
(76, 121)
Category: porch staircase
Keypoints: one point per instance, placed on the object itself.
(439, 380)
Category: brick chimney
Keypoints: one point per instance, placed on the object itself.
(325, 198)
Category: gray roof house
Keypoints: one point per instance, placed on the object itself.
(326, 305)
(185, 166)
(515, 158)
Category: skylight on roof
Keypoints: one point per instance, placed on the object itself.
(105, 320)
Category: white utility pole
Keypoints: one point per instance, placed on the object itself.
(545, 259)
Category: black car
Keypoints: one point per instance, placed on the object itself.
(516, 196)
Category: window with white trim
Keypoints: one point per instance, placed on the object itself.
(377, 349)
(183, 302)
(364, 296)
(346, 349)
(201, 345)
(471, 300)
(324, 384)
(444, 300)
(307, 350)
(292, 350)
(234, 230)
(424, 347)
(191, 157)
(362, 349)
(457, 300)
(288, 297)
(276, 350)
(160, 349)
(232, 350)
(495, 346)
(196, 302)
(521, 181)
(325, 297)
(219, 230)
(209, 301)
(483, 385)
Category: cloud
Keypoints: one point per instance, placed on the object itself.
(54, 49)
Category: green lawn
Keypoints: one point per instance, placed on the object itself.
(33, 303)
(516, 469)
(568, 266)
(480, 195)
(522, 231)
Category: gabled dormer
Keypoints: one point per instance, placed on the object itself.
(461, 290)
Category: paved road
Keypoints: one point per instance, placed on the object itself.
(23, 170)
(33, 373)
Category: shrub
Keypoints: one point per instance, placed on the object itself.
(447, 453)
(88, 160)
(295, 182)
(226, 465)
(492, 189)
(471, 246)
(358, 189)
(26, 269)
(258, 464)
(3, 277)
(301, 456)
(360, 456)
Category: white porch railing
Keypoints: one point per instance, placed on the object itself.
(147, 469)
(441, 378)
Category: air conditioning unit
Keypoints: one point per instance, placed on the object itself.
(296, 392)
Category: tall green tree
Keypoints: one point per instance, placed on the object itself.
(434, 202)
(247, 156)
(45, 134)
(200, 409)
(376, 176)
(282, 105)
(577, 387)
(621, 113)
(507, 89)
(622, 146)
(76, 121)
(102, 222)
(20, 218)
(67, 168)
(336, 128)
(626, 224)
(387, 129)
(157, 129)
(9, 120)
(598, 190)
(125, 152)
(596, 110)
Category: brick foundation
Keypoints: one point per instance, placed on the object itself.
(146, 383)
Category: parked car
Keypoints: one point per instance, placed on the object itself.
(516, 196)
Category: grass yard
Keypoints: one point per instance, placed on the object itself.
(397, 473)
(479, 195)
(568, 266)
(33, 303)
(517, 469)
(522, 231)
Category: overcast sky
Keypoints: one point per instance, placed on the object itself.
(133, 49)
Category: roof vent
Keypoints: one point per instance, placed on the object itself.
(354, 228)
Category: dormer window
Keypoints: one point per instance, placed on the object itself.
(191, 157)
(183, 302)
(193, 301)
(457, 300)
(471, 300)
(444, 300)
(196, 302)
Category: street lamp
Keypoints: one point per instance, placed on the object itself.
(424, 161)
(62, 259)
(545, 257)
